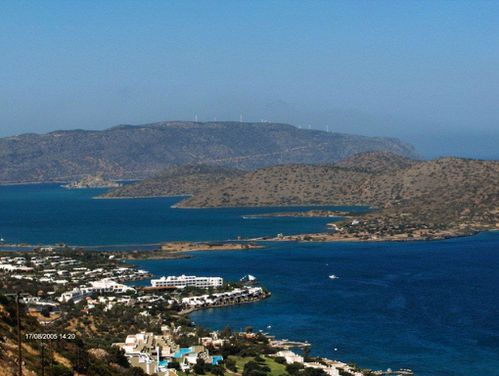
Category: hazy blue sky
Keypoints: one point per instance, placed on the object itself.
(427, 72)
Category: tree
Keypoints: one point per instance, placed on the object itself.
(280, 359)
(60, 370)
(199, 367)
(174, 365)
(294, 368)
(226, 332)
(218, 370)
(230, 364)
(253, 368)
(135, 371)
(314, 372)
(117, 356)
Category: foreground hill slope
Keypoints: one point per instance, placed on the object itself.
(141, 151)
(62, 357)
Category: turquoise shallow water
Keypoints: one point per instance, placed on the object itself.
(429, 306)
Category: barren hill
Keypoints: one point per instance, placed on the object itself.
(142, 151)
(444, 190)
(376, 162)
(176, 181)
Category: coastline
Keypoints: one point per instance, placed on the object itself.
(194, 309)
(176, 250)
(103, 197)
(331, 238)
(300, 238)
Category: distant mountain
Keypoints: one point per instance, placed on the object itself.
(130, 152)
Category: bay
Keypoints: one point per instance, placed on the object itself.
(49, 214)
(429, 306)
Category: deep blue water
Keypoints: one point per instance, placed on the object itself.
(429, 306)
(48, 214)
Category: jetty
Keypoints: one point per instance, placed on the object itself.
(287, 344)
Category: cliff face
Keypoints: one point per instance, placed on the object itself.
(142, 151)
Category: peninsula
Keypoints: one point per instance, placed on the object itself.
(173, 250)
(409, 199)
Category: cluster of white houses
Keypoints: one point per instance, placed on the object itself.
(154, 353)
(108, 285)
(235, 296)
(105, 285)
(188, 281)
(14, 264)
(62, 270)
(330, 367)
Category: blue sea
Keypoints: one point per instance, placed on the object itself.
(429, 306)
(49, 214)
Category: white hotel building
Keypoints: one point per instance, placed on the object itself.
(188, 281)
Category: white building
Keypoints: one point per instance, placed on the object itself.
(97, 287)
(75, 295)
(222, 298)
(290, 356)
(108, 285)
(15, 268)
(188, 281)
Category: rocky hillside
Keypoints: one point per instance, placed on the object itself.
(193, 179)
(281, 186)
(448, 189)
(141, 151)
(62, 357)
(176, 181)
(376, 162)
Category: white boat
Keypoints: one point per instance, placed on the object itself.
(333, 276)
(248, 279)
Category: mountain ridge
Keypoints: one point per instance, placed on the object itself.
(140, 151)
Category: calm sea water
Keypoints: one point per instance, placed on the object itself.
(49, 214)
(429, 306)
